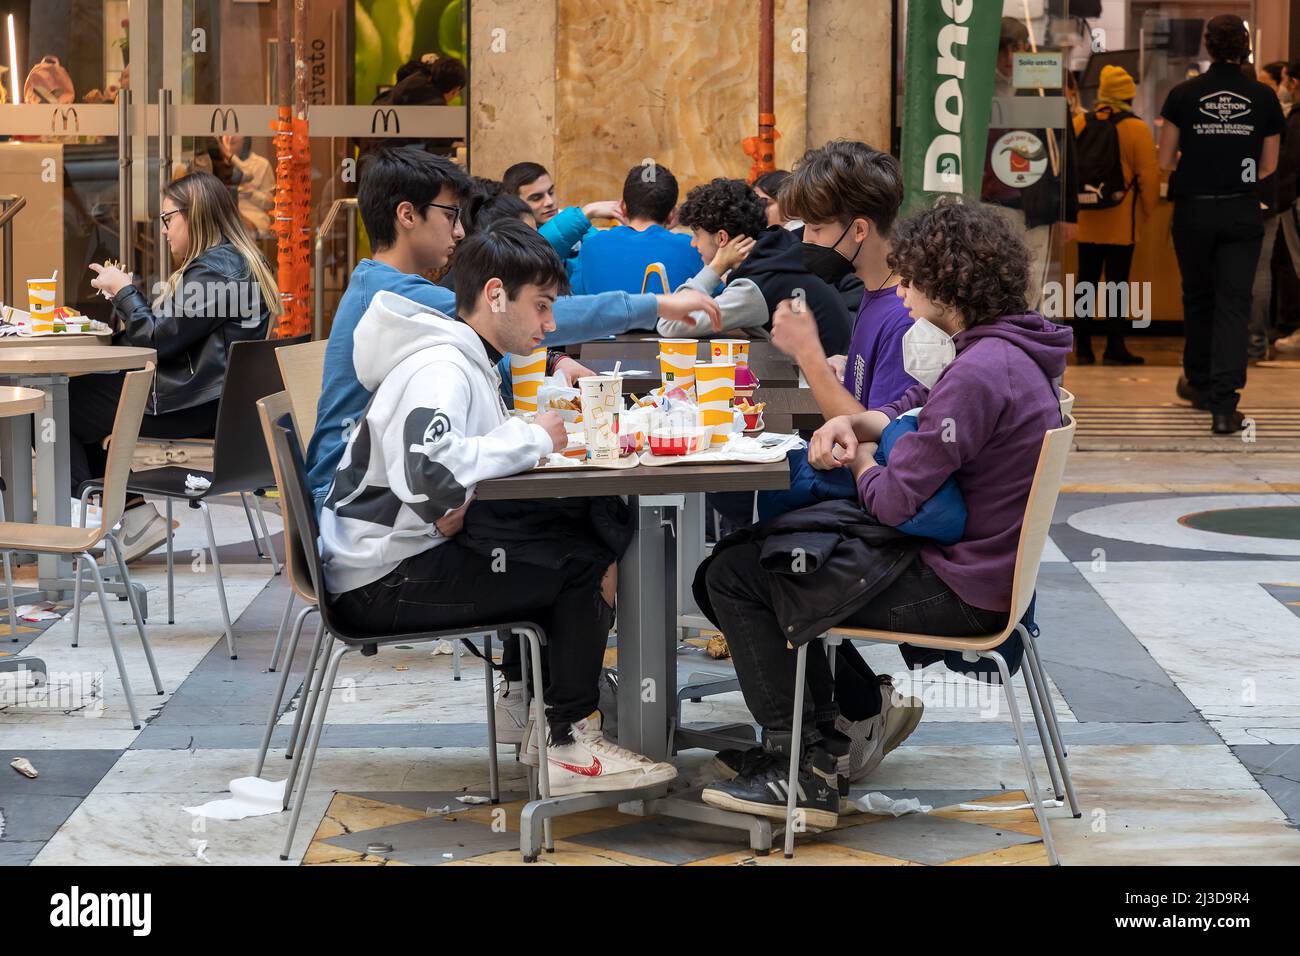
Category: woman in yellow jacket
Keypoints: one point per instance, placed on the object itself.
(1107, 236)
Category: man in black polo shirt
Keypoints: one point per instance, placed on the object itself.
(1228, 128)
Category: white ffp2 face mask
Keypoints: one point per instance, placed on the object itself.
(927, 350)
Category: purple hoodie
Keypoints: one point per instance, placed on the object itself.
(983, 422)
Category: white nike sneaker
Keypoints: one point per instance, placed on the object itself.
(593, 764)
(511, 713)
(142, 530)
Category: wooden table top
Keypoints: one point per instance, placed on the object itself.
(41, 341)
(641, 480)
(73, 359)
(15, 400)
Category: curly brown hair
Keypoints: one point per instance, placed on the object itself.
(963, 255)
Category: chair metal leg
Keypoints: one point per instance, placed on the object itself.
(9, 598)
(1053, 727)
(112, 639)
(543, 744)
(308, 682)
(331, 671)
(456, 648)
(171, 567)
(1035, 705)
(1034, 796)
(266, 535)
(9, 585)
(76, 601)
(280, 689)
(528, 702)
(494, 771)
(313, 701)
(116, 545)
(796, 741)
(221, 584)
(279, 635)
(252, 528)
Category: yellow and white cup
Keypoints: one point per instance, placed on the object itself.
(715, 383)
(735, 351)
(601, 397)
(41, 294)
(526, 374)
(677, 361)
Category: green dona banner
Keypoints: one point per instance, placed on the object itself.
(949, 61)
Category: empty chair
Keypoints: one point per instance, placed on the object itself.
(79, 542)
(240, 464)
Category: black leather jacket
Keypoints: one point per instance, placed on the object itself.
(216, 303)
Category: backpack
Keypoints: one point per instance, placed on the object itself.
(1101, 173)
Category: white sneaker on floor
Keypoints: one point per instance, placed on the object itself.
(876, 736)
(141, 530)
(1288, 343)
(593, 764)
(511, 713)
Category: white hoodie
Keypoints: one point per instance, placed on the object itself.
(434, 428)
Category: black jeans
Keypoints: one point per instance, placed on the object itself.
(918, 601)
(450, 586)
(92, 408)
(1115, 262)
(1217, 242)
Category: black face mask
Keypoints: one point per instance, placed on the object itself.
(826, 263)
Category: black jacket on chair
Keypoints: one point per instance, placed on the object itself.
(822, 563)
(219, 303)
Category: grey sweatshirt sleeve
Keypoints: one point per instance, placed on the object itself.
(741, 302)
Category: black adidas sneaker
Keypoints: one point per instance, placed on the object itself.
(762, 789)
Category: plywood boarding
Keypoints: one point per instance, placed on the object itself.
(672, 80)
(850, 58)
(512, 85)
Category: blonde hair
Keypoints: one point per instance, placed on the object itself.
(212, 217)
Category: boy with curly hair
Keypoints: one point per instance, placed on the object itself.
(761, 265)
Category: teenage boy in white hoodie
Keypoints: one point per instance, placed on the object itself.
(435, 427)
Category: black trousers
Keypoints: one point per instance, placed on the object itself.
(918, 601)
(450, 586)
(1217, 242)
(1115, 262)
(92, 404)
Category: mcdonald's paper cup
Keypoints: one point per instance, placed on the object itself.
(715, 384)
(677, 363)
(526, 374)
(40, 295)
(735, 351)
(601, 397)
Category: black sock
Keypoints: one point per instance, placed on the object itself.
(833, 742)
(561, 733)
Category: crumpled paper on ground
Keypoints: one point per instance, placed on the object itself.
(882, 805)
(249, 797)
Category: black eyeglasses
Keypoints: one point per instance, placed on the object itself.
(167, 217)
(454, 210)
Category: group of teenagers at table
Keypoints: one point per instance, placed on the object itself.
(936, 381)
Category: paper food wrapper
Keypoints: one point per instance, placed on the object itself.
(249, 797)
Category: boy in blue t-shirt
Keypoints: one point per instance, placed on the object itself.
(616, 259)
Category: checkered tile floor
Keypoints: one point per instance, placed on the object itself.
(434, 829)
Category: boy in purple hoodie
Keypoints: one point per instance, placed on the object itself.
(965, 272)
(848, 196)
